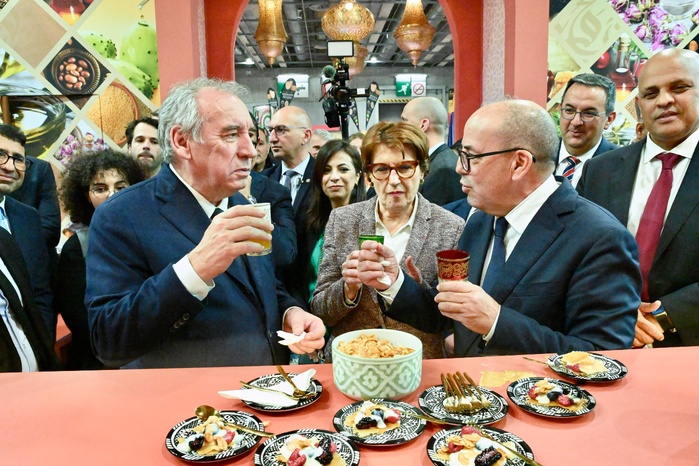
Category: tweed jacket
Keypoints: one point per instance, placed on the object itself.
(435, 229)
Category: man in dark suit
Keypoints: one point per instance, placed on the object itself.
(167, 286)
(289, 136)
(587, 109)
(38, 189)
(25, 343)
(559, 274)
(629, 183)
(23, 222)
(441, 185)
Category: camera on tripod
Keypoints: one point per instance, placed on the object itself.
(339, 98)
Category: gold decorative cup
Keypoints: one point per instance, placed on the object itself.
(267, 244)
(452, 265)
(377, 238)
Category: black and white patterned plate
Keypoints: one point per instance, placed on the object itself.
(431, 402)
(615, 369)
(267, 452)
(271, 380)
(518, 392)
(184, 430)
(439, 440)
(410, 428)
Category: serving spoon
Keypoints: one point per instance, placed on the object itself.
(203, 412)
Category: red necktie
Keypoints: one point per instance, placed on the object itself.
(653, 217)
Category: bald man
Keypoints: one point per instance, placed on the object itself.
(441, 186)
(623, 181)
(561, 275)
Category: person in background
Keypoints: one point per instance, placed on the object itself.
(25, 343)
(396, 159)
(587, 109)
(264, 158)
(356, 140)
(320, 137)
(441, 186)
(143, 146)
(24, 223)
(88, 181)
(170, 272)
(652, 188)
(549, 271)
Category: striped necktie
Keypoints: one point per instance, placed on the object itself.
(572, 161)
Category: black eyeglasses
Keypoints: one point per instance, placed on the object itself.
(20, 161)
(381, 171)
(281, 130)
(466, 157)
(586, 115)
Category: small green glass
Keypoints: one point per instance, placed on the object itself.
(377, 238)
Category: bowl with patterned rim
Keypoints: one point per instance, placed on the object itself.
(391, 378)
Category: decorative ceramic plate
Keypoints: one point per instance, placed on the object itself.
(271, 380)
(439, 440)
(615, 369)
(518, 392)
(267, 452)
(431, 402)
(184, 430)
(410, 428)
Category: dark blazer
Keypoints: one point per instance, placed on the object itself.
(294, 281)
(141, 315)
(39, 191)
(264, 189)
(442, 184)
(26, 227)
(28, 316)
(571, 283)
(461, 208)
(674, 275)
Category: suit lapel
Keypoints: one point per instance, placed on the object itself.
(475, 240)
(419, 232)
(305, 186)
(621, 182)
(179, 207)
(685, 203)
(367, 222)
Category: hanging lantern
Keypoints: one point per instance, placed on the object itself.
(270, 34)
(414, 33)
(355, 63)
(348, 20)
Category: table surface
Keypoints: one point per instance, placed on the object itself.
(121, 417)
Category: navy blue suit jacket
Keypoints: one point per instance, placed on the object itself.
(28, 316)
(442, 184)
(39, 191)
(571, 283)
(26, 230)
(295, 282)
(264, 189)
(142, 315)
(674, 274)
(461, 208)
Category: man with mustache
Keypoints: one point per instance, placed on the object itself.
(652, 187)
(142, 145)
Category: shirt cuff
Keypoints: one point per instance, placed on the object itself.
(390, 293)
(351, 302)
(191, 281)
(492, 329)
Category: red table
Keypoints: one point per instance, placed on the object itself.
(121, 417)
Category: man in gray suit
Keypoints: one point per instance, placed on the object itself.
(625, 180)
(587, 109)
(441, 186)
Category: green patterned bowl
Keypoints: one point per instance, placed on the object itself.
(390, 378)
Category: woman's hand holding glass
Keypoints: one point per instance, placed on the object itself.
(350, 276)
(377, 265)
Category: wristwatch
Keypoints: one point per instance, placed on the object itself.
(664, 320)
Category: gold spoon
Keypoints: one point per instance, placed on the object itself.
(203, 412)
(278, 392)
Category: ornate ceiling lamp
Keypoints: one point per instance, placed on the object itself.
(414, 33)
(270, 34)
(348, 20)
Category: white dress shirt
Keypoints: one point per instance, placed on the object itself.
(298, 179)
(19, 339)
(648, 173)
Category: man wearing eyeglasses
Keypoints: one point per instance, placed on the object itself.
(23, 222)
(289, 136)
(549, 271)
(652, 187)
(587, 109)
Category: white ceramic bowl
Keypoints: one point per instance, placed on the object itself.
(390, 378)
